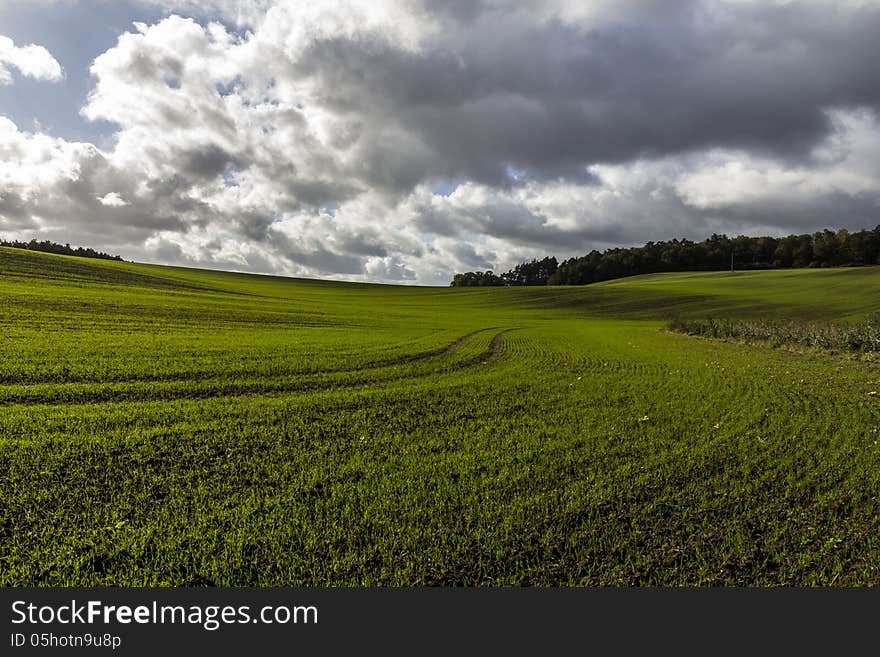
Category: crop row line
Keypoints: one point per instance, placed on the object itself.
(74, 394)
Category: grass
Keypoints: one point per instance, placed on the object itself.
(858, 338)
(168, 426)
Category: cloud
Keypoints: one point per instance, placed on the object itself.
(237, 12)
(59, 188)
(31, 61)
(32, 162)
(112, 200)
(404, 140)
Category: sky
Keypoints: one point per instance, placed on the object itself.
(403, 141)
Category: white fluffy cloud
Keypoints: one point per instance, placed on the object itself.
(402, 141)
(31, 61)
(113, 200)
(32, 163)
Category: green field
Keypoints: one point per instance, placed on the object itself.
(169, 426)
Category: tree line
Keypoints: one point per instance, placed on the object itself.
(62, 249)
(535, 272)
(825, 248)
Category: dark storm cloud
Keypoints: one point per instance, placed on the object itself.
(462, 11)
(15, 212)
(854, 211)
(253, 225)
(326, 261)
(549, 98)
(468, 257)
(363, 243)
(207, 162)
(315, 193)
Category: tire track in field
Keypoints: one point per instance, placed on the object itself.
(204, 377)
(492, 352)
(79, 394)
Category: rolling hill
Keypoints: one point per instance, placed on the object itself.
(172, 426)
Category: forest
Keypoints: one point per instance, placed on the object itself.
(825, 248)
(47, 246)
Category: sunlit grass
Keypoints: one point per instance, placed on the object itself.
(169, 426)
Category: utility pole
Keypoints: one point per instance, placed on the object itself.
(731, 260)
